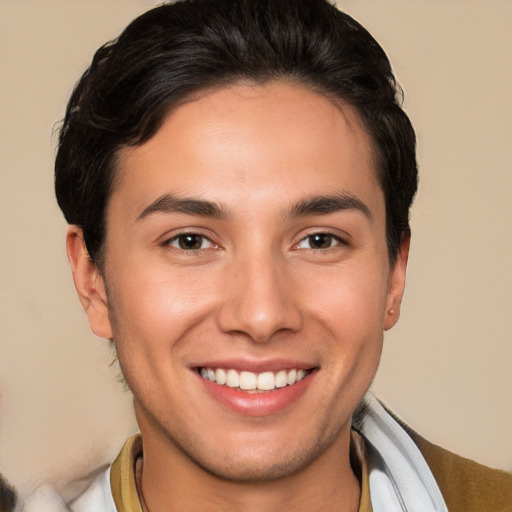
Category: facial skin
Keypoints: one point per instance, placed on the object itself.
(253, 290)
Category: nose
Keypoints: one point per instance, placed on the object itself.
(260, 300)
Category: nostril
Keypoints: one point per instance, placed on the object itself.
(260, 320)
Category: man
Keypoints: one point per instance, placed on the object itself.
(238, 177)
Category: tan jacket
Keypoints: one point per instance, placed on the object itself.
(466, 485)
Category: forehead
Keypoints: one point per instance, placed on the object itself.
(251, 143)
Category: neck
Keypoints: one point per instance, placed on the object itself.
(169, 480)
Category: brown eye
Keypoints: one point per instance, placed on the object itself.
(190, 242)
(320, 241)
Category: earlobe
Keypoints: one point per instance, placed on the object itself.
(89, 283)
(397, 285)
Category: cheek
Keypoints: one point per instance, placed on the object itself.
(351, 299)
(152, 307)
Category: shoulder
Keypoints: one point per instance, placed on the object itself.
(466, 485)
(97, 495)
(113, 488)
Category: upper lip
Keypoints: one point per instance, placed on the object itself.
(255, 366)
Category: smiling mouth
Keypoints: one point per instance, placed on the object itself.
(253, 382)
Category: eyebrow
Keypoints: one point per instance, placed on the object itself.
(325, 205)
(316, 205)
(189, 206)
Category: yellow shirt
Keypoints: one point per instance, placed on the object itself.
(124, 488)
(466, 485)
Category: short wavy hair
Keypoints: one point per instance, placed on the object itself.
(173, 51)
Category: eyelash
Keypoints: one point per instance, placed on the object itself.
(334, 240)
(181, 238)
(180, 241)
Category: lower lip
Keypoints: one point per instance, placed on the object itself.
(257, 404)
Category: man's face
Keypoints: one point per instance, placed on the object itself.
(246, 240)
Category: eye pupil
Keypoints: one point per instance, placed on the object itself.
(190, 242)
(320, 241)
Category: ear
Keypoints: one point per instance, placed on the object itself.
(88, 283)
(397, 285)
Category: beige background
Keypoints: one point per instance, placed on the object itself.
(446, 367)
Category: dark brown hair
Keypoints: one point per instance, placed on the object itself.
(175, 50)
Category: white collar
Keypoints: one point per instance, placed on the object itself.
(400, 479)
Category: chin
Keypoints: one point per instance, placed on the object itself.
(265, 461)
(256, 469)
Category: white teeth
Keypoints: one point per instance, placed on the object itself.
(232, 379)
(266, 381)
(249, 381)
(281, 379)
(292, 377)
(220, 375)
